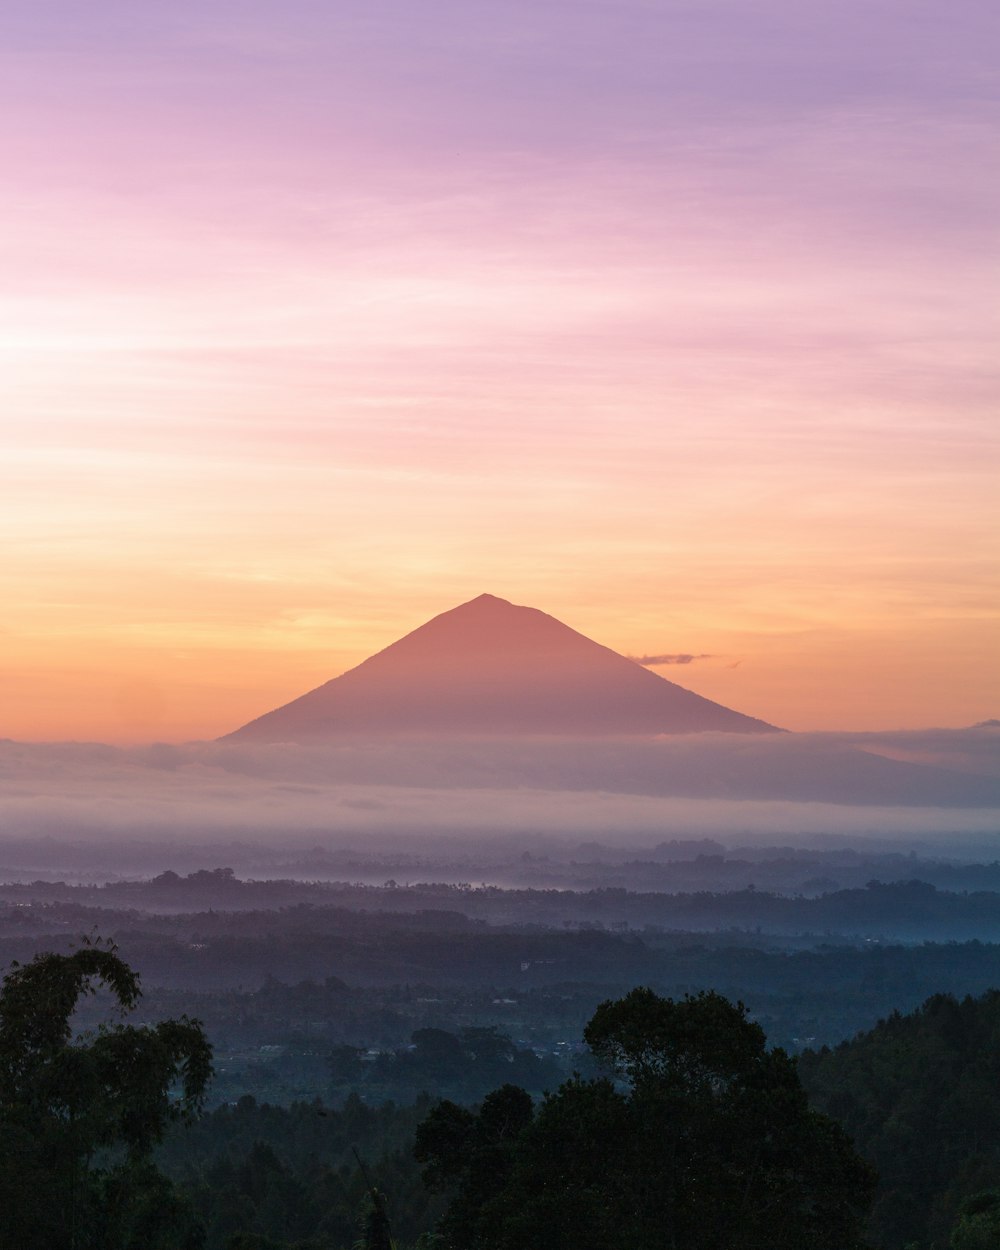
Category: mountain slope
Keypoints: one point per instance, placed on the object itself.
(491, 667)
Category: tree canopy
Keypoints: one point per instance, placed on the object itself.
(79, 1115)
(920, 1094)
(697, 1138)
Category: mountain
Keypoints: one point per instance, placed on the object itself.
(491, 667)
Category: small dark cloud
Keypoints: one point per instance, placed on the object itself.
(654, 661)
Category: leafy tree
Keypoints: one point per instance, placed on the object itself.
(80, 1115)
(699, 1138)
(978, 1227)
(473, 1155)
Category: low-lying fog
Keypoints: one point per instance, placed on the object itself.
(937, 792)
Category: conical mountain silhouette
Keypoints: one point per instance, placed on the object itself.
(491, 667)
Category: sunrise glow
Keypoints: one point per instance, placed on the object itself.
(678, 322)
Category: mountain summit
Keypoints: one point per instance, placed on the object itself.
(491, 667)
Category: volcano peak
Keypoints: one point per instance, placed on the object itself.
(489, 666)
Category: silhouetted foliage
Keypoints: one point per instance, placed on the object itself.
(376, 1232)
(978, 1226)
(699, 1138)
(920, 1095)
(80, 1115)
(290, 1175)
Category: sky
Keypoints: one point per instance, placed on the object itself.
(677, 320)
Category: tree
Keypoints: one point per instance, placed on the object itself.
(978, 1227)
(79, 1115)
(920, 1094)
(474, 1156)
(699, 1138)
(376, 1233)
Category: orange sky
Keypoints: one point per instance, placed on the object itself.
(678, 322)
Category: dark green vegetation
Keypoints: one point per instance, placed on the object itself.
(79, 1117)
(337, 1018)
(978, 1227)
(696, 1127)
(920, 1095)
(290, 1173)
(703, 1140)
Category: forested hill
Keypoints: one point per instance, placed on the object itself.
(920, 1096)
(902, 910)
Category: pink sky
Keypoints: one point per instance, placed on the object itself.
(676, 320)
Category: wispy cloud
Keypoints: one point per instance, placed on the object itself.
(654, 661)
